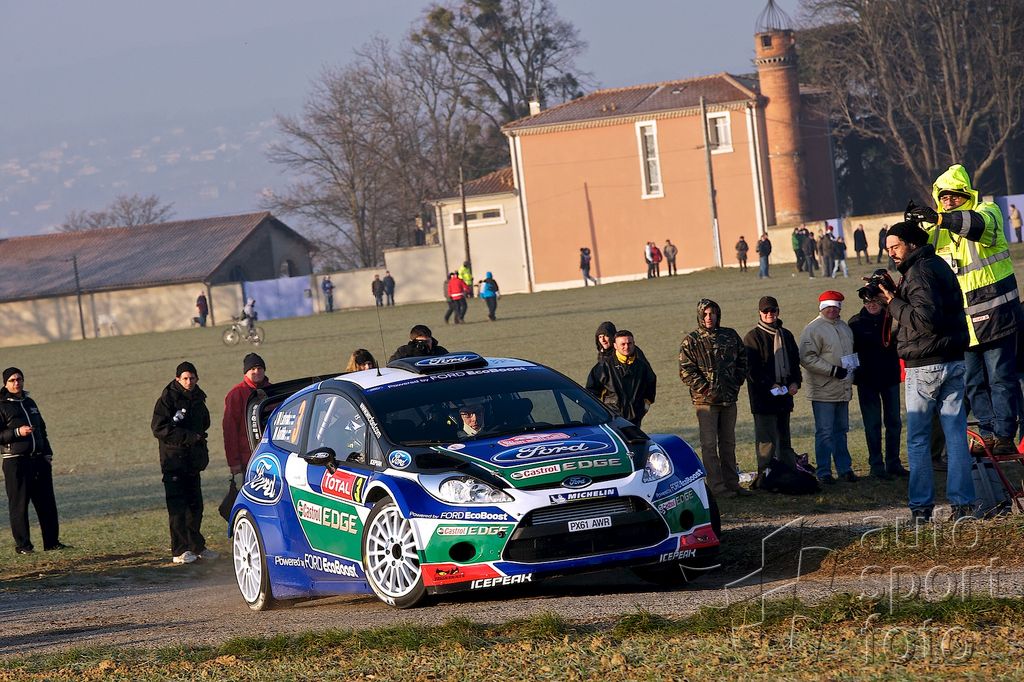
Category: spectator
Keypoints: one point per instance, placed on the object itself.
(649, 259)
(968, 233)
(656, 259)
(585, 266)
(1015, 221)
(878, 387)
(764, 249)
(713, 363)
(490, 293)
(826, 248)
(361, 359)
(881, 245)
(235, 423)
(180, 423)
(377, 289)
(249, 315)
(670, 252)
(466, 275)
(931, 339)
(839, 255)
(202, 309)
(27, 457)
(773, 380)
(741, 253)
(389, 287)
(826, 352)
(419, 235)
(624, 381)
(809, 250)
(797, 242)
(421, 342)
(604, 339)
(860, 243)
(327, 287)
(456, 292)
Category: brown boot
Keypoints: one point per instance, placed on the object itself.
(978, 448)
(1004, 446)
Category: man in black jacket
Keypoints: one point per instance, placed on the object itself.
(180, 423)
(421, 343)
(878, 388)
(773, 378)
(932, 338)
(28, 476)
(624, 381)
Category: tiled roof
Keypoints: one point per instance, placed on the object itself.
(637, 100)
(493, 183)
(121, 257)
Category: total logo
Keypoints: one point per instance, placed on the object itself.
(498, 531)
(558, 449)
(343, 485)
(445, 360)
(503, 580)
(326, 516)
(264, 484)
(676, 556)
(315, 562)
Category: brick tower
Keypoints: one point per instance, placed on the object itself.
(775, 58)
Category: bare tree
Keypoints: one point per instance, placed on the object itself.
(123, 211)
(936, 82)
(510, 51)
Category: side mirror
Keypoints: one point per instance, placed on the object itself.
(322, 457)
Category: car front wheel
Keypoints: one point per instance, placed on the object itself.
(250, 562)
(390, 559)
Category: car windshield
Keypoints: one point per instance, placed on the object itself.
(482, 404)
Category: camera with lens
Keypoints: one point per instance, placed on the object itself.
(873, 284)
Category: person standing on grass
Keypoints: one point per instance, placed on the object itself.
(881, 245)
(202, 309)
(764, 249)
(826, 353)
(839, 254)
(809, 250)
(377, 289)
(235, 424)
(585, 259)
(28, 474)
(656, 259)
(670, 252)
(624, 381)
(713, 363)
(860, 243)
(389, 287)
(490, 293)
(796, 241)
(741, 253)
(327, 287)
(180, 423)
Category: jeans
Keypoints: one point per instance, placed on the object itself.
(880, 406)
(763, 272)
(492, 305)
(831, 422)
(991, 386)
(717, 426)
(671, 267)
(587, 279)
(1020, 406)
(930, 389)
(840, 265)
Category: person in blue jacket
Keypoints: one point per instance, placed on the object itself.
(490, 293)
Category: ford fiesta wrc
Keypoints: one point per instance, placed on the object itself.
(457, 472)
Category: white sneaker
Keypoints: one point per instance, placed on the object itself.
(209, 554)
(184, 558)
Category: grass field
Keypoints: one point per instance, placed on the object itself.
(97, 396)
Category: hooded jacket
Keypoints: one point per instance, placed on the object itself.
(17, 411)
(823, 344)
(606, 328)
(970, 239)
(712, 362)
(183, 441)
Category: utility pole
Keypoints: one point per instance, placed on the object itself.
(465, 218)
(716, 238)
(78, 291)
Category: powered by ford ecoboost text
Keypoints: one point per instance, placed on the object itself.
(370, 482)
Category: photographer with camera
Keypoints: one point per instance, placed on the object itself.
(968, 235)
(421, 343)
(931, 339)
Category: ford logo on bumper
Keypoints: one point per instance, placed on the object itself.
(576, 482)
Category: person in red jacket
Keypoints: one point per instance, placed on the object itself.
(457, 292)
(235, 424)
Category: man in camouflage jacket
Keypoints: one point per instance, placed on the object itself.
(713, 363)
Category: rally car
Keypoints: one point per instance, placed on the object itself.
(372, 482)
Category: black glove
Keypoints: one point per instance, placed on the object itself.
(921, 214)
(839, 372)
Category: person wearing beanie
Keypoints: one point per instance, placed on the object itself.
(180, 424)
(713, 363)
(235, 422)
(603, 339)
(931, 339)
(490, 293)
(826, 353)
(28, 474)
(624, 381)
(967, 233)
(773, 380)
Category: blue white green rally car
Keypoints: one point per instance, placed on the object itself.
(370, 482)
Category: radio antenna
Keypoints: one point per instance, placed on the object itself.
(383, 348)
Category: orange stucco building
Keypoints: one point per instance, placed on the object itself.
(620, 167)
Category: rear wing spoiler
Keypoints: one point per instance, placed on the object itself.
(265, 400)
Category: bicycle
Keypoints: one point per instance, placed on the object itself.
(239, 330)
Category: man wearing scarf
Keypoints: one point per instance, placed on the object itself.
(773, 378)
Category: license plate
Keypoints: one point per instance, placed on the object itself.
(590, 524)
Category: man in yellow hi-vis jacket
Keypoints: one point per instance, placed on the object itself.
(968, 234)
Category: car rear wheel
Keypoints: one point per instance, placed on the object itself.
(250, 562)
(390, 559)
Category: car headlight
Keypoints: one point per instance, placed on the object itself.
(469, 490)
(657, 466)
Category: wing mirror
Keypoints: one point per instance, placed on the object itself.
(322, 457)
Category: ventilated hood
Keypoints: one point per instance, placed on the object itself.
(956, 179)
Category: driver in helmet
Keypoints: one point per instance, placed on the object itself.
(472, 416)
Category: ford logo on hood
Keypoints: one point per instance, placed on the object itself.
(564, 448)
(576, 482)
